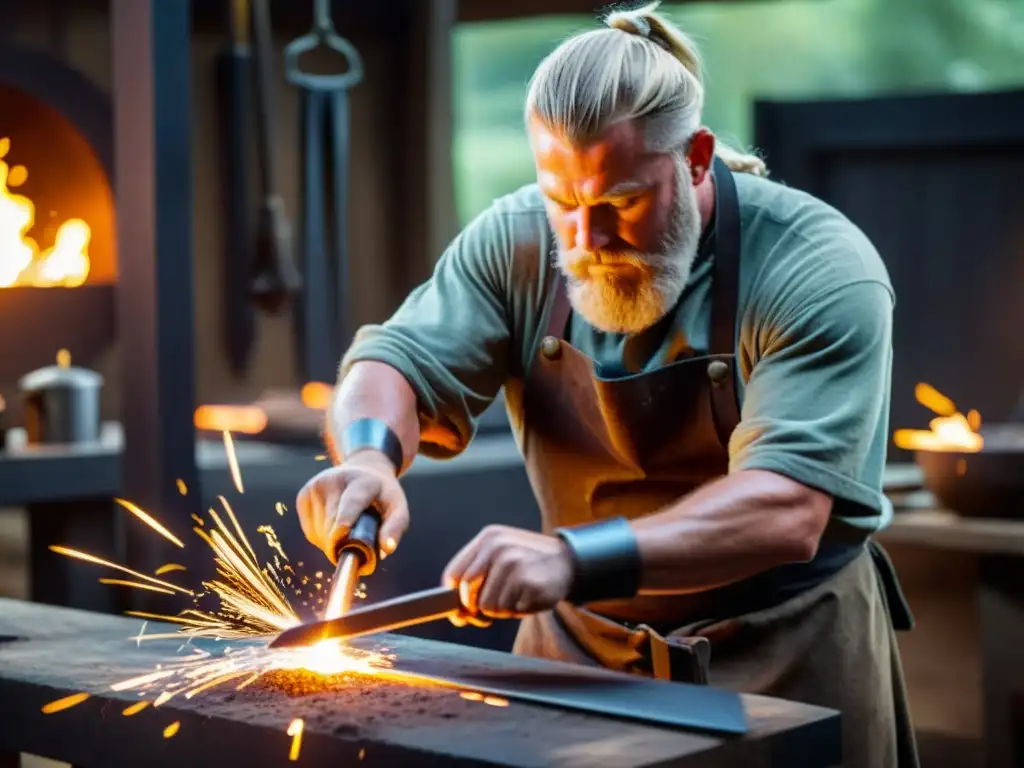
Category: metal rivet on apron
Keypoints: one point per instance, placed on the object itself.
(551, 348)
(718, 372)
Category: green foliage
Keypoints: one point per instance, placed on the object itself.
(768, 49)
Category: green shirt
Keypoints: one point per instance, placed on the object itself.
(813, 338)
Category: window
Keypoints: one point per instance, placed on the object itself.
(778, 49)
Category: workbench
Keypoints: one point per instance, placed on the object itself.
(998, 545)
(48, 653)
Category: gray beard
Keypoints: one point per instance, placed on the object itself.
(616, 306)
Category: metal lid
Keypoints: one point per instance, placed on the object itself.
(60, 376)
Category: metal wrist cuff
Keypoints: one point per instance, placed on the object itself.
(606, 560)
(372, 434)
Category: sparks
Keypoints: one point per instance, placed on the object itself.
(100, 561)
(272, 541)
(66, 703)
(136, 585)
(167, 568)
(148, 520)
(281, 508)
(252, 603)
(182, 488)
(134, 709)
(236, 473)
(295, 731)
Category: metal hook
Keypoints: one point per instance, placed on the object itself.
(322, 33)
(323, 23)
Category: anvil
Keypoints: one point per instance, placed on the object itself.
(47, 653)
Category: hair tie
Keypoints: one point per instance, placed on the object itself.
(642, 26)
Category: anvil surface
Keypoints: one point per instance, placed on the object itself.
(47, 653)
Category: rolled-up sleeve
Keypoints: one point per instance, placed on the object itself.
(816, 403)
(450, 337)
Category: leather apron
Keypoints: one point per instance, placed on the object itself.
(595, 447)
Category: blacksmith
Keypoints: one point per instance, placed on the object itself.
(696, 363)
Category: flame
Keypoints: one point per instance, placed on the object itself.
(65, 264)
(949, 431)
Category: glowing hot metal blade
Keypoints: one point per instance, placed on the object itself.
(405, 611)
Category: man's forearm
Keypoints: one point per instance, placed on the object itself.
(375, 390)
(729, 530)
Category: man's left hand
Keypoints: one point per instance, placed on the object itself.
(506, 573)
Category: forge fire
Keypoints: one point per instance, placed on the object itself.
(23, 262)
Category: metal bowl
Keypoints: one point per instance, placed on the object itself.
(989, 483)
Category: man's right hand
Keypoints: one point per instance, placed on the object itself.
(332, 501)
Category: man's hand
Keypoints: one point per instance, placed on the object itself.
(332, 501)
(509, 573)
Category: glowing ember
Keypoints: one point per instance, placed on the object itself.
(182, 488)
(66, 703)
(65, 264)
(949, 431)
(295, 731)
(134, 709)
(172, 729)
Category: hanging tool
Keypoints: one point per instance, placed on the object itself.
(322, 323)
(275, 276)
(234, 68)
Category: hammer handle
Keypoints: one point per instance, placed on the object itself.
(362, 539)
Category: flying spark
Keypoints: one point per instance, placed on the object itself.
(236, 473)
(66, 703)
(295, 731)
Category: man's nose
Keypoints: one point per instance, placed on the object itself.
(592, 234)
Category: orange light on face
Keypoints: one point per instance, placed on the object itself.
(243, 419)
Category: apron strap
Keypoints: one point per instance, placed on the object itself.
(899, 609)
(558, 317)
(725, 299)
(678, 659)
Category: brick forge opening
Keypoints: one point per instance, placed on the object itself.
(58, 255)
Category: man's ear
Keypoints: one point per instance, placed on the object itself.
(699, 154)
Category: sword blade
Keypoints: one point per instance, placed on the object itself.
(406, 611)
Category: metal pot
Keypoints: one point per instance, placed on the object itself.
(988, 483)
(62, 404)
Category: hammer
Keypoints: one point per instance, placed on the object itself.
(356, 557)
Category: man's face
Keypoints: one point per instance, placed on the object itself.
(627, 224)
